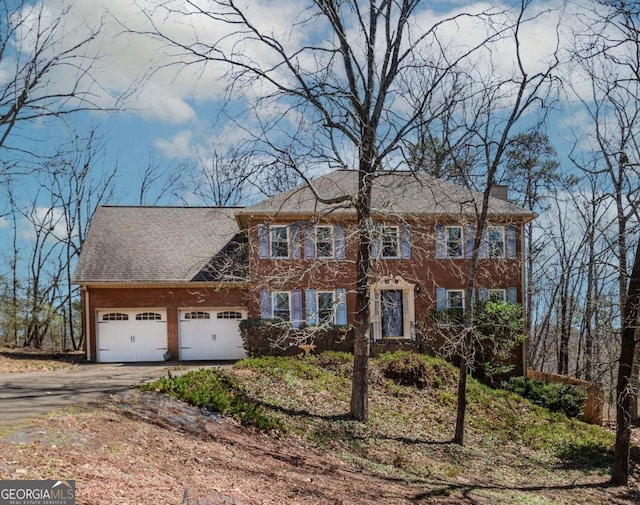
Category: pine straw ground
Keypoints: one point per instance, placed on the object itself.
(21, 359)
(148, 448)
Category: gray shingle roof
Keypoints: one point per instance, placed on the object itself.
(161, 244)
(394, 193)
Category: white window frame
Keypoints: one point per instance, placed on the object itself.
(458, 291)
(490, 243)
(274, 295)
(334, 301)
(446, 241)
(331, 240)
(383, 234)
(272, 229)
(197, 315)
(115, 316)
(491, 292)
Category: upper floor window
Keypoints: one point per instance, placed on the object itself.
(324, 242)
(454, 241)
(281, 305)
(390, 238)
(326, 307)
(495, 241)
(279, 237)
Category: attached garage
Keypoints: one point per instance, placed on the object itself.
(211, 334)
(131, 335)
(167, 262)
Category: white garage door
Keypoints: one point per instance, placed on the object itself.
(211, 334)
(126, 335)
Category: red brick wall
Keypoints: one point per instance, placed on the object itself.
(171, 299)
(423, 269)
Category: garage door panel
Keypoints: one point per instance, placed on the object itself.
(210, 337)
(131, 338)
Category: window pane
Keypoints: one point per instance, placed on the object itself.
(496, 242)
(455, 299)
(281, 306)
(454, 241)
(324, 241)
(279, 242)
(390, 242)
(325, 307)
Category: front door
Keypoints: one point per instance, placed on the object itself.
(392, 313)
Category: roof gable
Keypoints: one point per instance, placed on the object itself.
(162, 244)
(394, 193)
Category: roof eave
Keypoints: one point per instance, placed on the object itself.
(243, 218)
(98, 284)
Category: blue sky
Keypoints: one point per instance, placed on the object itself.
(171, 114)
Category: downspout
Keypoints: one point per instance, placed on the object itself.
(87, 322)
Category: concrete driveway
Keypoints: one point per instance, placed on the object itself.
(24, 396)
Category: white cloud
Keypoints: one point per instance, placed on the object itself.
(163, 85)
(44, 222)
(178, 146)
(4, 223)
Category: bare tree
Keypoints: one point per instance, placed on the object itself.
(608, 53)
(494, 112)
(225, 178)
(350, 84)
(12, 302)
(161, 181)
(36, 56)
(49, 227)
(620, 468)
(80, 182)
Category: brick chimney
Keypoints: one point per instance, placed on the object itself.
(500, 192)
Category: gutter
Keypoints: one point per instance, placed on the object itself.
(98, 284)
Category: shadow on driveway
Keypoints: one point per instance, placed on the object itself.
(24, 396)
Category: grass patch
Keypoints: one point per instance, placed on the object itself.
(510, 442)
(217, 391)
(412, 414)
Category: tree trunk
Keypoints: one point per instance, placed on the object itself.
(565, 328)
(589, 303)
(461, 410)
(359, 407)
(620, 468)
(635, 370)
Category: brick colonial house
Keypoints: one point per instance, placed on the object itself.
(177, 280)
